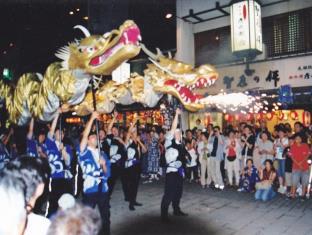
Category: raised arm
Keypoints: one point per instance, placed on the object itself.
(175, 121)
(111, 124)
(130, 130)
(31, 129)
(54, 123)
(144, 149)
(84, 140)
(7, 138)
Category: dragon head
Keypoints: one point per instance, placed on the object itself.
(101, 54)
(176, 78)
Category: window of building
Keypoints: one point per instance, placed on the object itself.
(284, 34)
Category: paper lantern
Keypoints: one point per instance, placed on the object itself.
(246, 29)
(249, 117)
(259, 116)
(293, 115)
(281, 116)
(269, 116)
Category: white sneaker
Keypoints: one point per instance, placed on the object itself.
(221, 187)
(216, 186)
(240, 190)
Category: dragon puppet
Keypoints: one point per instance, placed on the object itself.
(66, 82)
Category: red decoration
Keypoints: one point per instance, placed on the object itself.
(227, 117)
(244, 11)
(269, 116)
(281, 116)
(259, 116)
(294, 115)
(249, 117)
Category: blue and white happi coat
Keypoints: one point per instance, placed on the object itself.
(60, 169)
(94, 177)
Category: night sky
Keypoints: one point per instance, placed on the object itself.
(32, 30)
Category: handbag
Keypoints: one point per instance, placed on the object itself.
(263, 185)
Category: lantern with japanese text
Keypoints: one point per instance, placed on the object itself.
(246, 29)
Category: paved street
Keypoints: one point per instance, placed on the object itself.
(211, 212)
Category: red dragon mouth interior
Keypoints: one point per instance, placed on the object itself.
(130, 36)
(186, 92)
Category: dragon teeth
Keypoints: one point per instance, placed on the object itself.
(140, 38)
(127, 40)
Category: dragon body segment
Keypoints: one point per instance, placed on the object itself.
(66, 82)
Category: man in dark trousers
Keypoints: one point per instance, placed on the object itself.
(176, 159)
(95, 167)
(116, 149)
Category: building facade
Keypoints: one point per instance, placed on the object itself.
(204, 36)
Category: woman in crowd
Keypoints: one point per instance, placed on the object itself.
(232, 158)
(248, 142)
(265, 149)
(280, 144)
(216, 140)
(203, 151)
(265, 187)
(191, 167)
(162, 150)
(249, 177)
(153, 156)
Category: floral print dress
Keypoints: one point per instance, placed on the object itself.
(153, 156)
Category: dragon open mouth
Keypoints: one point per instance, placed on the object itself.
(186, 92)
(130, 36)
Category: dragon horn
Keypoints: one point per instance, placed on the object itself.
(83, 29)
(148, 52)
(159, 53)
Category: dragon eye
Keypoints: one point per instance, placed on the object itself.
(90, 49)
(80, 49)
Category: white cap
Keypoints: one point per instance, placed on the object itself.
(66, 201)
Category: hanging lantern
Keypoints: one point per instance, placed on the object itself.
(249, 117)
(269, 116)
(227, 117)
(246, 29)
(236, 117)
(259, 116)
(293, 115)
(281, 116)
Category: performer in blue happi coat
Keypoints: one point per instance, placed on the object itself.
(4, 153)
(60, 157)
(95, 167)
(135, 148)
(176, 159)
(35, 148)
(117, 154)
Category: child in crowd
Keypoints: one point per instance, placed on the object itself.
(191, 167)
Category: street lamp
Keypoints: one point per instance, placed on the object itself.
(246, 29)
